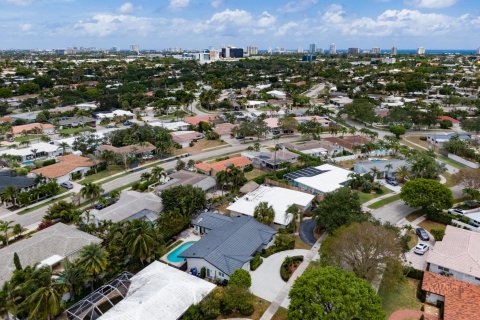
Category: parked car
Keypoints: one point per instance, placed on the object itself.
(422, 234)
(66, 185)
(147, 157)
(421, 248)
(392, 182)
(100, 206)
(456, 211)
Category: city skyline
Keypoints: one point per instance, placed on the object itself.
(191, 24)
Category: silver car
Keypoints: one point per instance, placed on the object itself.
(421, 248)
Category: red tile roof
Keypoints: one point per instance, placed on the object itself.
(30, 127)
(453, 120)
(134, 148)
(461, 298)
(196, 120)
(240, 162)
(65, 164)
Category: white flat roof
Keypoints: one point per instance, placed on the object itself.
(170, 125)
(279, 198)
(328, 181)
(114, 114)
(159, 292)
(51, 261)
(40, 147)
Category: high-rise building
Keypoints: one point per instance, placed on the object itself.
(478, 51)
(421, 51)
(394, 51)
(252, 50)
(135, 48)
(232, 52)
(354, 51)
(375, 51)
(313, 48)
(333, 49)
(299, 50)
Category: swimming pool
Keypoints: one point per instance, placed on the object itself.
(28, 163)
(173, 256)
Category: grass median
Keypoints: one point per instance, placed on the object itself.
(384, 202)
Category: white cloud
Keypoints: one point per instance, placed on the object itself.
(431, 3)
(266, 20)
(216, 3)
(127, 7)
(25, 27)
(20, 2)
(106, 24)
(297, 5)
(334, 14)
(286, 28)
(178, 4)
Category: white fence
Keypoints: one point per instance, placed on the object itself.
(463, 161)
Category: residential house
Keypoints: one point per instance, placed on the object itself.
(114, 114)
(73, 122)
(224, 130)
(279, 198)
(271, 160)
(171, 126)
(438, 139)
(49, 247)
(194, 121)
(386, 168)
(227, 245)
(33, 128)
(139, 149)
(319, 180)
(455, 122)
(213, 168)
(319, 149)
(340, 101)
(11, 178)
(184, 138)
(277, 94)
(348, 142)
(36, 151)
(158, 291)
(459, 299)
(66, 168)
(457, 255)
(184, 177)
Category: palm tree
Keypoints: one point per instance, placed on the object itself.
(108, 156)
(73, 276)
(158, 173)
(388, 167)
(5, 227)
(94, 260)
(264, 213)
(94, 160)
(91, 191)
(222, 179)
(402, 173)
(141, 240)
(293, 210)
(375, 172)
(63, 146)
(236, 177)
(115, 194)
(9, 194)
(145, 176)
(34, 151)
(45, 302)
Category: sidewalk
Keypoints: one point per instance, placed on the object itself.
(283, 294)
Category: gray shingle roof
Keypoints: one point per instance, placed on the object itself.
(9, 178)
(230, 246)
(211, 220)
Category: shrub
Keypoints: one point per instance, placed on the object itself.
(240, 278)
(404, 240)
(256, 262)
(438, 234)
(22, 171)
(285, 268)
(48, 162)
(248, 168)
(203, 273)
(246, 309)
(135, 185)
(441, 217)
(413, 273)
(282, 242)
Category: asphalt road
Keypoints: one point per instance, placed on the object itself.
(306, 231)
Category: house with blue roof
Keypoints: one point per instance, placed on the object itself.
(438, 139)
(228, 244)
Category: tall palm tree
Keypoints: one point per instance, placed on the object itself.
(264, 213)
(141, 239)
(9, 194)
(73, 276)
(293, 210)
(388, 167)
(94, 260)
(222, 179)
(158, 173)
(34, 151)
(375, 172)
(108, 156)
(63, 146)
(45, 302)
(5, 227)
(402, 173)
(91, 191)
(94, 161)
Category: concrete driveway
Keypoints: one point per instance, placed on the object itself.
(266, 280)
(417, 261)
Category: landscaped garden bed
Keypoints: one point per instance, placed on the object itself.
(289, 265)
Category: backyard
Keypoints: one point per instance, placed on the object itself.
(402, 296)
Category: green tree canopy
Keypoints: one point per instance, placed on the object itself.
(264, 213)
(331, 293)
(361, 110)
(187, 199)
(240, 278)
(427, 194)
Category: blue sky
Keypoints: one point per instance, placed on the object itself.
(46, 24)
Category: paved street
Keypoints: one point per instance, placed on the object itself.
(306, 231)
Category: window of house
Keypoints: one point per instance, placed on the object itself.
(208, 272)
(220, 274)
(444, 269)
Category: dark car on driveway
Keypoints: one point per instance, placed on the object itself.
(422, 234)
(100, 205)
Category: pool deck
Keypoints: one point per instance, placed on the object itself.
(185, 236)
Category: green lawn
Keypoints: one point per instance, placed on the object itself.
(281, 314)
(29, 137)
(384, 202)
(71, 131)
(414, 215)
(451, 162)
(365, 197)
(111, 170)
(429, 225)
(402, 296)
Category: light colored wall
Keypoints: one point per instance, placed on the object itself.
(199, 263)
(455, 274)
(433, 298)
